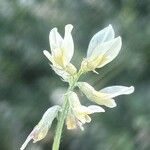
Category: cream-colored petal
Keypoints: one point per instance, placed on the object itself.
(29, 138)
(89, 109)
(39, 132)
(48, 55)
(41, 129)
(80, 125)
(81, 118)
(102, 36)
(95, 109)
(112, 52)
(50, 115)
(102, 55)
(109, 50)
(105, 101)
(68, 45)
(114, 91)
(55, 41)
(95, 96)
(71, 122)
(61, 72)
(71, 69)
(74, 100)
(87, 118)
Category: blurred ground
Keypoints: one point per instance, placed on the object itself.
(28, 86)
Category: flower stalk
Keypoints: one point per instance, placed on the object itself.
(61, 120)
(64, 112)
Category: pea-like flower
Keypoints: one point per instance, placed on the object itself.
(102, 49)
(79, 114)
(61, 52)
(41, 129)
(106, 95)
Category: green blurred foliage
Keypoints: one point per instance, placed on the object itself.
(28, 86)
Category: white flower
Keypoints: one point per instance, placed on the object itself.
(106, 95)
(41, 129)
(102, 49)
(61, 52)
(79, 114)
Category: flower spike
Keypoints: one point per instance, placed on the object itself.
(102, 49)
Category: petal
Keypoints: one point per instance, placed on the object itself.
(61, 73)
(107, 51)
(105, 101)
(81, 118)
(74, 100)
(71, 69)
(113, 50)
(93, 95)
(29, 138)
(48, 55)
(87, 118)
(95, 109)
(50, 115)
(102, 36)
(55, 41)
(80, 125)
(68, 45)
(114, 91)
(85, 87)
(41, 129)
(71, 122)
(90, 109)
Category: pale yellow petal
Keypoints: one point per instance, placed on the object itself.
(71, 122)
(105, 101)
(74, 100)
(87, 118)
(41, 129)
(93, 95)
(29, 138)
(48, 55)
(71, 69)
(112, 52)
(114, 91)
(55, 41)
(61, 73)
(102, 36)
(95, 109)
(68, 45)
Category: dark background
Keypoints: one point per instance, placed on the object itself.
(28, 86)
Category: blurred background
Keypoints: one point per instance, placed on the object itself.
(28, 86)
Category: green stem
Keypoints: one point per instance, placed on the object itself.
(60, 124)
(63, 114)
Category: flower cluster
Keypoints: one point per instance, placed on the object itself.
(102, 49)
